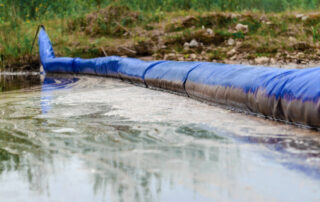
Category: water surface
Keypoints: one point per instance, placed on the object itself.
(14, 81)
(99, 139)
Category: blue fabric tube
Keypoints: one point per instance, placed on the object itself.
(170, 75)
(84, 66)
(134, 69)
(290, 95)
(59, 65)
(108, 66)
(45, 47)
(286, 84)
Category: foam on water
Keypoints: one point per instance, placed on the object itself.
(98, 139)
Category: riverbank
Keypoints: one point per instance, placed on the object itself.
(245, 37)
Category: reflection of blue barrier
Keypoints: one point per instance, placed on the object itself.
(48, 86)
(291, 95)
(298, 148)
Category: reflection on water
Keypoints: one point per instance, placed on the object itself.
(97, 139)
(10, 82)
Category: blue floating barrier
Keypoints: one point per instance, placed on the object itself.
(290, 95)
(170, 75)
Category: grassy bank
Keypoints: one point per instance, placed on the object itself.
(186, 34)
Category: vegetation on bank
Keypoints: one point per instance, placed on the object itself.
(222, 31)
(39, 9)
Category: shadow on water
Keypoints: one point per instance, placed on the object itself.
(69, 136)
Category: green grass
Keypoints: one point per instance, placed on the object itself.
(83, 28)
(42, 9)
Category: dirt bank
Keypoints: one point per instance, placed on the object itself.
(285, 39)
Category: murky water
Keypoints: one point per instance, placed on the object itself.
(15, 81)
(98, 139)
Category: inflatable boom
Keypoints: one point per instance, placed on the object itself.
(290, 95)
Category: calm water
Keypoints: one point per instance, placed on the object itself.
(98, 139)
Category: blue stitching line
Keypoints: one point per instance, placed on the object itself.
(187, 76)
(73, 66)
(148, 68)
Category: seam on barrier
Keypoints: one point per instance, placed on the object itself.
(95, 67)
(281, 86)
(73, 65)
(186, 78)
(118, 66)
(148, 68)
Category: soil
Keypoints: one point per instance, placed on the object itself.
(290, 40)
